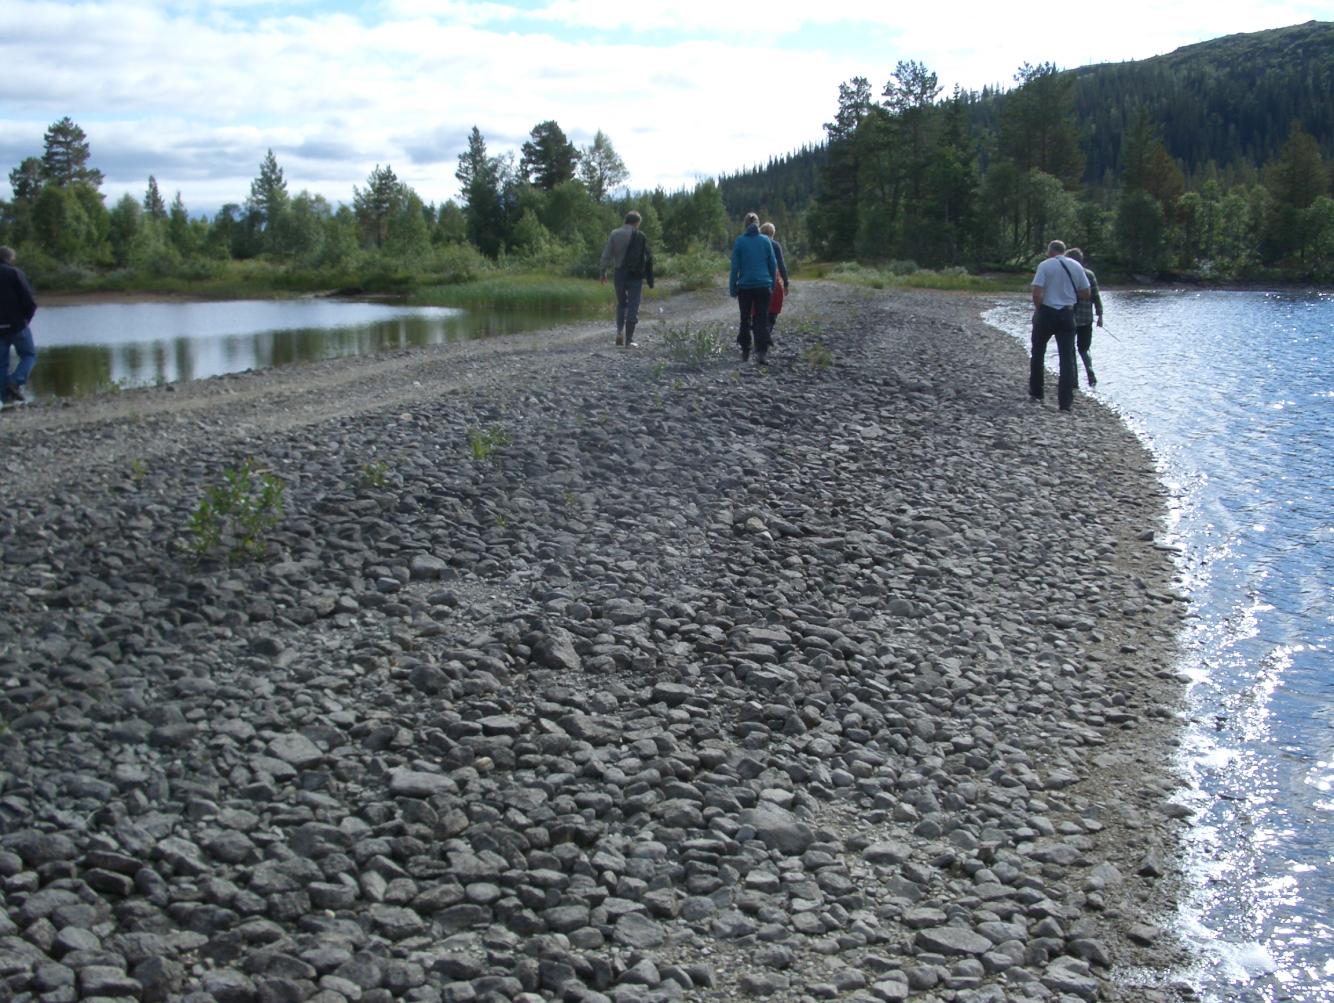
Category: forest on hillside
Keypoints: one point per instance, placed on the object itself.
(1212, 162)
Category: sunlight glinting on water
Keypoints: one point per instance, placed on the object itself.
(1231, 392)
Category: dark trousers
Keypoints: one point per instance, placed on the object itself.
(754, 304)
(1084, 343)
(628, 294)
(1049, 323)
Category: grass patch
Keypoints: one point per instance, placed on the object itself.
(518, 292)
(693, 346)
(483, 442)
(906, 275)
(818, 356)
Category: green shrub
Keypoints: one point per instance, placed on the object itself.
(693, 346)
(483, 442)
(239, 512)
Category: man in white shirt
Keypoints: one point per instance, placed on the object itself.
(1058, 285)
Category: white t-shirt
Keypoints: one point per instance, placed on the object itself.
(1059, 278)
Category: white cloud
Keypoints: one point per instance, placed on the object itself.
(196, 92)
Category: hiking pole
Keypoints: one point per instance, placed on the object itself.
(1105, 331)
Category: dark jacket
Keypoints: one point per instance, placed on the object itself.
(782, 265)
(17, 304)
(753, 263)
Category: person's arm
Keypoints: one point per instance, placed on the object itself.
(648, 264)
(1097, 299)
(782, 265)
(732, 273)
(605, 261)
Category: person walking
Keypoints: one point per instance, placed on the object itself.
(628, 258)
(1057, 286)
(750, 282)
(779, 293)
(17, 307)
(1084, 317)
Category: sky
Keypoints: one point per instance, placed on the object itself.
(195, 93)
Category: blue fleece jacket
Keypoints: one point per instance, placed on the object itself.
(753, 263)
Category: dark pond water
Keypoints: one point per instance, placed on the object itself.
(1234, 392)
(90, 348)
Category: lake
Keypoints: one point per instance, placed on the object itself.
(90, 348)
(1233, 393)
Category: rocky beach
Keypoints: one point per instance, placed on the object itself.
(565, 672)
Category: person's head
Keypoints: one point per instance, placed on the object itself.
(768, 229)
(1056, 248)
(751, 219)
(6, 255)
(1076, 254)
(632, 218)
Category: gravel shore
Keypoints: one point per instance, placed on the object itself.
(576, 673)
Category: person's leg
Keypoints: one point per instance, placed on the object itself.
(1084, 343)
(634, 291)
(27, 353)
(6, 343)
(745, 299)
(618, 283)
(1037, 355)
(761, 310)
(1069, 365)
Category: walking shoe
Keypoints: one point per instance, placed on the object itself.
(745, 353)
(620, 342)
(760, 355)
(1093, 381)
(16, 392)
(632, 344)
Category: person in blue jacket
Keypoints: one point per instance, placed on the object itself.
(751, 281)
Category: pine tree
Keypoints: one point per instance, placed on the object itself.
(549, 158)
(153, 203)
(376, 204)
(65, 159)
(268, 192)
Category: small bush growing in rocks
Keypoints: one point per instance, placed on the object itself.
(241, 510)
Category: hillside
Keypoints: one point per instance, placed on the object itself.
(1228, 101)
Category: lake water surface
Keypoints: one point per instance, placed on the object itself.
(89, 348)
(1234, 394)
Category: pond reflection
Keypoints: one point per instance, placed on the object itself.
(95, 347)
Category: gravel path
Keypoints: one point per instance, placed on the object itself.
(572, 673)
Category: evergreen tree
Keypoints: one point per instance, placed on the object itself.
(377, 203)
(65, 158)
(153, 204)
(833, 222)
(27, 180)
(480, 186)
(268, 192)
(601, 168)
(549, 158)
(1038, 129)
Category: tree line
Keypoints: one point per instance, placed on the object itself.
(1183, 165)
(549, 209)
(980, 180)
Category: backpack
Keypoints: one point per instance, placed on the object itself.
(636, 255)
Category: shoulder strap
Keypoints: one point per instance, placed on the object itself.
(1074, 286)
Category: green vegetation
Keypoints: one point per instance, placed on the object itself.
(138, 469)
(1211, 163)
(483, 442)
(693, 346)
(818, 356)
(239, 512)
(894, 275)
(375, 474)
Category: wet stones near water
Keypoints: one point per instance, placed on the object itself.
(791, 688)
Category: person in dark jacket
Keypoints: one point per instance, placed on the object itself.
(628, 258)
(751, 282)
(17, 307)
